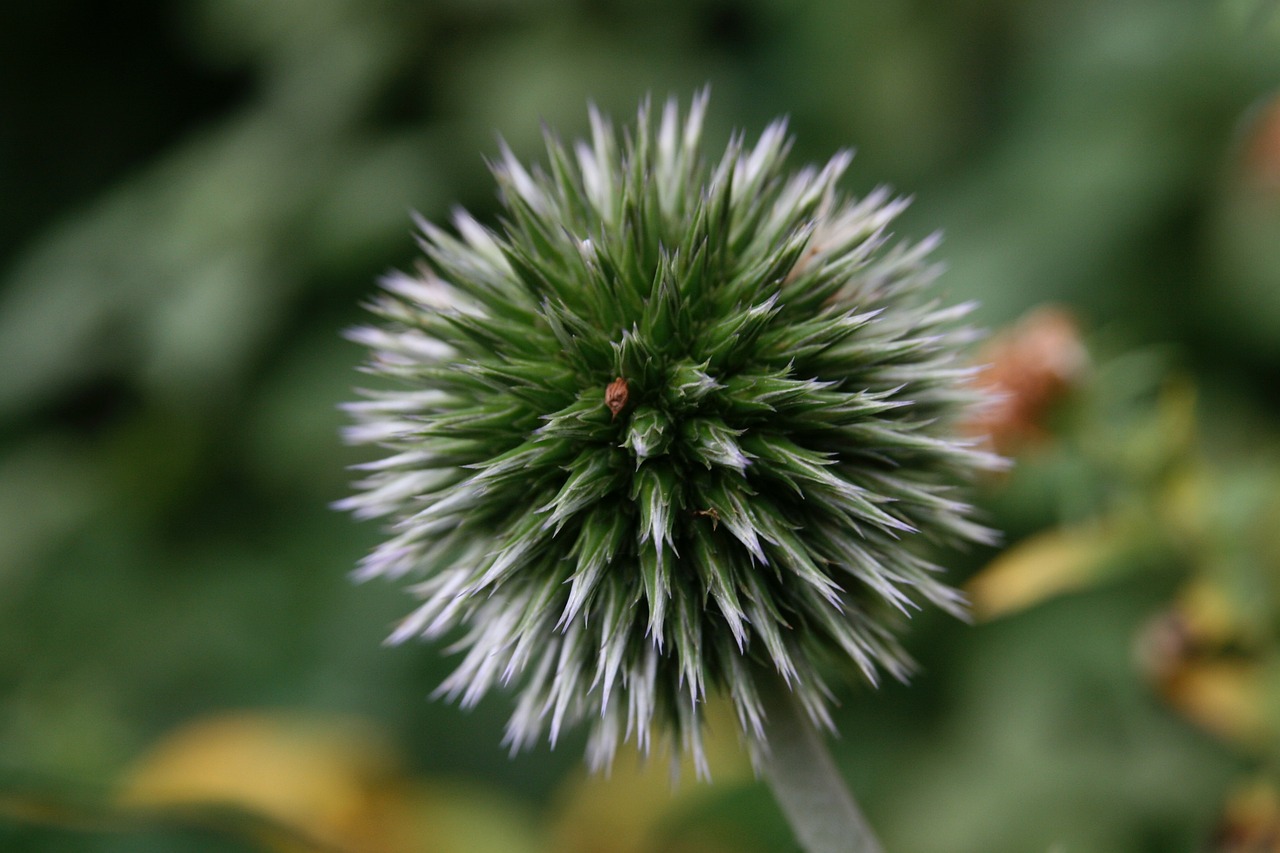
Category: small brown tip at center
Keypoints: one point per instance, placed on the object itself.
(615, 396)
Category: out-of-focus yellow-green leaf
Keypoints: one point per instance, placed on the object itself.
(333, 780)
(1046, 565)
(626, 811)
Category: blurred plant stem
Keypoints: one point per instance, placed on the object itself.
(804, 779)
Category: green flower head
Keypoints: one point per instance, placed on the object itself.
(675, 425)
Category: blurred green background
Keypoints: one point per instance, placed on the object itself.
(195, 196)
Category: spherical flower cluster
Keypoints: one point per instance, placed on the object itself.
(676, 427)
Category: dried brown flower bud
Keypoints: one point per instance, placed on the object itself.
(1250, 820)
(615, 396)
(1030, 367)
(1262, 148)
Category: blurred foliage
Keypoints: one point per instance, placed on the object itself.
(195, 198)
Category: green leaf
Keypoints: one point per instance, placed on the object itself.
(649, 433)
(600, 546)
(687, 384)
(659, 494)
(716, 569)
(592, 476)
(657, 589)
(710, 441)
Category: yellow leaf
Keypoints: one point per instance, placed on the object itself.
(623, 813)
(1040, 567)
(311, 774)
(332, 780)
(1222, 696)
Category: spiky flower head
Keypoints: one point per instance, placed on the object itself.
(675, 425)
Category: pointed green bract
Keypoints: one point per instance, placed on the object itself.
(674, 422)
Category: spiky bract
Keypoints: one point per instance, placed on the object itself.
(673, 424)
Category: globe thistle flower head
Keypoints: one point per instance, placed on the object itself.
(675, 424)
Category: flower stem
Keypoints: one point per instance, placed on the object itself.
(804, 779)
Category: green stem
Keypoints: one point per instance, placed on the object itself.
(814, 797)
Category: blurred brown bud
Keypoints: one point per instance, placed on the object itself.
(1199, 664)
(1261, 153)
(1030, 367)
(1250, 822)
